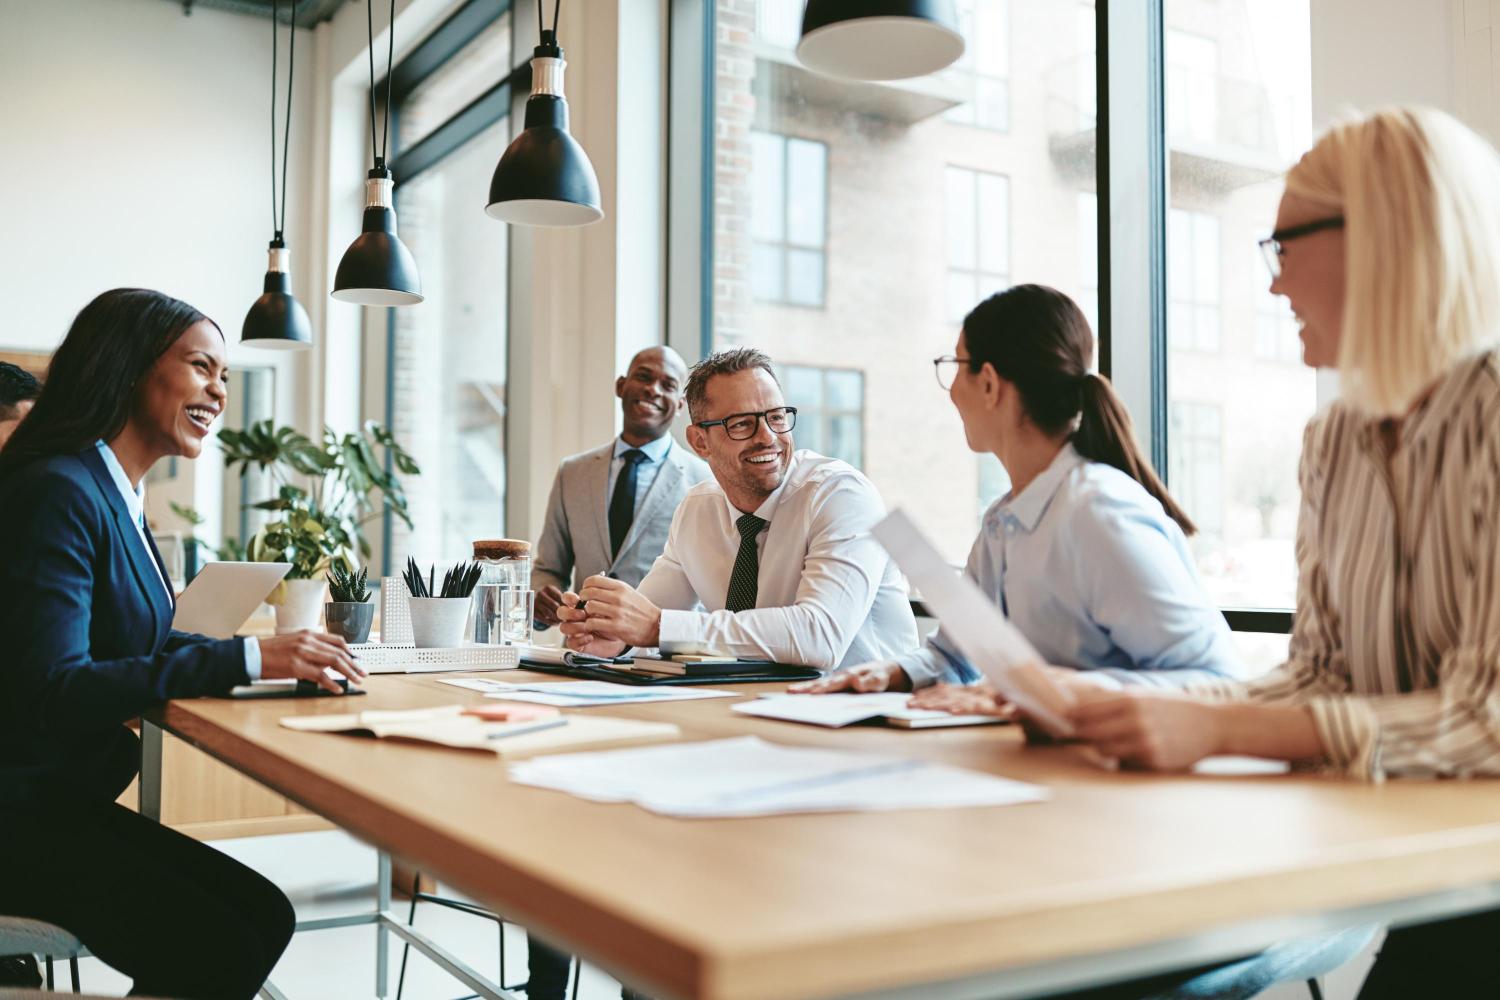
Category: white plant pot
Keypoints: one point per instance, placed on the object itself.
(300, 606)
(438, 622)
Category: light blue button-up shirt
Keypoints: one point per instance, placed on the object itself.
(646, 469)
(1094, 573)
(135, 502)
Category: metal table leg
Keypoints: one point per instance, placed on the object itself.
(149, 788)
(382, 934)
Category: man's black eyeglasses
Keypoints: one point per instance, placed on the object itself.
(742, 426)
(1273, 246)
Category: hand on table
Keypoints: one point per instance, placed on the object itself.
(1151, 730)
(862, 678)
(548, 600)
(962, 699)
(305, 655)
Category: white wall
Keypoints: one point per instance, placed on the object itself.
(136, 152)
(1369, 53)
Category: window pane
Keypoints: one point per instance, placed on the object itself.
(805, 190)
(478, 66)
(768, 212)
(1239, 113)
(448, 371)
(921, 215)
(768, 273)
(803, 389)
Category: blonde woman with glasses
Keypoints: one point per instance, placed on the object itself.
(1387, 245)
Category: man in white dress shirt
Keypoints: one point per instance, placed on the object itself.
(772, 558)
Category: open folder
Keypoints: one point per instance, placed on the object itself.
(838, 710)
(980, 631)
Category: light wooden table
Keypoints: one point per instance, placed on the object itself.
(1119, 874)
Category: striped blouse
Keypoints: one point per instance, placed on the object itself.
(1396, 642)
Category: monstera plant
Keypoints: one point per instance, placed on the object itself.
(326, 492)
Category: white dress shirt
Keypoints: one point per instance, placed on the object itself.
(827, 593)
(135, 503)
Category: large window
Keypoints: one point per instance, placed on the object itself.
(921, 197)
(446, 378)
(1238, 112)
(978, 214)
(830, 406)
(788, 218)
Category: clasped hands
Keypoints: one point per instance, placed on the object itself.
(1154, 730)
(607, 616)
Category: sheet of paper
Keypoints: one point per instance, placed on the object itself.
(1230, 767)
(586, 730)
(748, 776)
(445, 725)
(976, 626)
(833, 710)
(582, 694)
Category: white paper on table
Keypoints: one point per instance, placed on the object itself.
(446, 725)
(836, 710)
(1234, 766)
(976, 626)
(748, 776)
(584, 694)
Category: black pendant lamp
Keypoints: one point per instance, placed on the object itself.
(277, 319)
(377, 269)
(545, 178)
(879, 39)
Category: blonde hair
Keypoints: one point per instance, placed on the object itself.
(1420, 196)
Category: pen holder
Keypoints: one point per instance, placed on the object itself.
(438, 621)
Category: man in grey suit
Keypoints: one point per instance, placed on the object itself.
(610, 508)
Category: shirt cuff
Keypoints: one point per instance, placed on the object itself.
(920, 669)
(252, 658)
(681, 626)
(1350, 732)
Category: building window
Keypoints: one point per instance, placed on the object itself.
(1193, 281)
(985, 64)
(1192, 86)
(1197, 460)
(1275, 327)
(447, 364)
(830, 406)
(978, 230)
(788, 219)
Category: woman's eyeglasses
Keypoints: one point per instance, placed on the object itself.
(946, 368)
(1273, 246)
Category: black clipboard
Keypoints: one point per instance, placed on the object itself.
(774, 673)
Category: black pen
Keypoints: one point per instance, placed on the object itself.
(609, 576)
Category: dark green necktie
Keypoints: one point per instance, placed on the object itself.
(743, 580)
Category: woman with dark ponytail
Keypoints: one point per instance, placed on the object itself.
(1087, 554)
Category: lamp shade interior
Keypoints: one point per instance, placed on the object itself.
(880, 41)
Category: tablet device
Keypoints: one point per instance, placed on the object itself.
(224, 594)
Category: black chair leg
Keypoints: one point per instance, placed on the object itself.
(1315, 989)
(49, 972)
(577, 974)
(411, 920)
(73, 968)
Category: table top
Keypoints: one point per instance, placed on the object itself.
(845, 903)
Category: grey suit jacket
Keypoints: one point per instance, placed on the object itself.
(575, 538)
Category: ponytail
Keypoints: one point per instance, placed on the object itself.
(1105, 434)
(1038, 339)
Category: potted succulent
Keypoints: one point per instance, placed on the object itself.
(438, 614)
(344, 484)
(349, 614)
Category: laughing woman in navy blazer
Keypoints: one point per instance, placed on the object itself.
(86, 628)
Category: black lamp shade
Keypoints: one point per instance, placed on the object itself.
(545, 177)
(377, 269)
(277, 319)
(879, 39)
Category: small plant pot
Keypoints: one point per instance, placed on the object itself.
(349, 620)
(297, 603)
(438, 621)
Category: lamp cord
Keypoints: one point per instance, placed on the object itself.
(541, 21)
(385, 134)
(280, 226)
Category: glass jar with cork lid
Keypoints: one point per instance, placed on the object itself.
(503, 601)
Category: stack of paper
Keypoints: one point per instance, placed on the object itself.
(748, 776)
(582, 694)
(835, 710)
(447, 726)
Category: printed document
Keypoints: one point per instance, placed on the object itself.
(582, 694)
(748, 776)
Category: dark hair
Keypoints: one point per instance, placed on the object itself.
(112, 343)
(737, 359)
(17, 385)
(1038, 339)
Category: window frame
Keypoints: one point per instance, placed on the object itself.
(429, 56)
(784, 246)
(1130, 157)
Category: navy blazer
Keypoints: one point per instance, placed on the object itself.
(86, 640)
